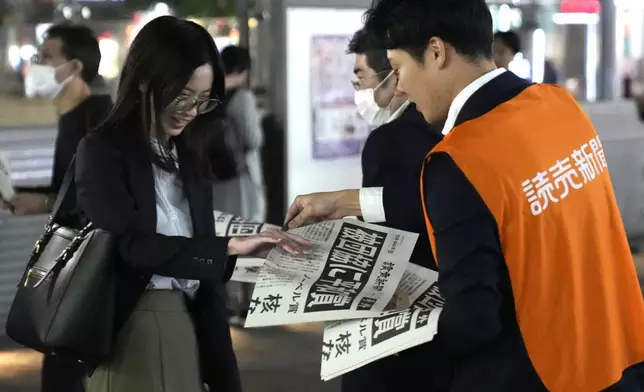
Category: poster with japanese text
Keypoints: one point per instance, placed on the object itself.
(338, 129)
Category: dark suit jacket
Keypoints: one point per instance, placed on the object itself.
(72, 127)
(115, 189)
(392, 158)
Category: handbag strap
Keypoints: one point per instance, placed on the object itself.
(67, 180)
(64, 189)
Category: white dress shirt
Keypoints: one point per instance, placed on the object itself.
(173, 219)
(371, 199)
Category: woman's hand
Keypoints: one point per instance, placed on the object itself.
(259, 245)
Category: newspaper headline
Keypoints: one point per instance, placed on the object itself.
(351, 271)
(411, 320)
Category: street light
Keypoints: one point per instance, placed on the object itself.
(86, 13)
(70, 10)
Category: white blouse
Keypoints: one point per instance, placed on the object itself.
(173, 219)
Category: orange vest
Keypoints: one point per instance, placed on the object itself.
(539, 166)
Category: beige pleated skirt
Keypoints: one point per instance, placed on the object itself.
(156, 350)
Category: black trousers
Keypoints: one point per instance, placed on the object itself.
(61, 374)
(422, 368)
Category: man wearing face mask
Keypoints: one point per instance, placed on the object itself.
(394, 151)
(66, 67)
(65, 71)
(392, 158)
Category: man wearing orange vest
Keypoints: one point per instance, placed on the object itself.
(540, 285)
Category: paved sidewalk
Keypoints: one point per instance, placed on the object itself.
(23, 112)
(271, 360)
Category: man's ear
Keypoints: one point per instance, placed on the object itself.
(393, 83)
(77, 67)
(436, 52)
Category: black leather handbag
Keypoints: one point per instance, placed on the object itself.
(65, 300)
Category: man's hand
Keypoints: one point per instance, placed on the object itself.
(323, 206)
(29, 203)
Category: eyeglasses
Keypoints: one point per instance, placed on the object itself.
(357, 84)
(181, 104)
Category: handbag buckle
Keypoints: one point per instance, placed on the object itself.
(27, 276)
(49, 229)
(61, 260)
(42, 279)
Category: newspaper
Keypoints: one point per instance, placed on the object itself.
(412, 320)
(418, 288)
(227, 225)
(353, 344)
(351, 271)
(247, 269)
(6, 187)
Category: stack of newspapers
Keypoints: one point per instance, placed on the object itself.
(356, 278)
(348, 345)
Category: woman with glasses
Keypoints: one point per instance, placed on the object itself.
(146, 175)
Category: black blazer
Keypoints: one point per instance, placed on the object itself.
(392, 158)
(115, 190)
(72, 127)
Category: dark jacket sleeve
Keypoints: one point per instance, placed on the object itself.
(97, 111)
(104, 199)
(376, 157)
(402, 191)
(470, 260)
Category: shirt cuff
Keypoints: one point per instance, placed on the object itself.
(371, 204)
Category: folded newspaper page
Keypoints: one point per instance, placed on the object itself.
(247, 269)
(350, 345)
(418, 288)
(6, 187)
(413, 321)
(227, 225)
(351, 271)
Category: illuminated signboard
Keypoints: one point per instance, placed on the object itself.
(580, 6)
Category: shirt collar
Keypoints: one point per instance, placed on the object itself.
(464, 95)
(156, 147)
(399, 111)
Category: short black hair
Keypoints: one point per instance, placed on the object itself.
(510, 39)
(79, 43)
(466, 25)
(235, 59)
(362, 43)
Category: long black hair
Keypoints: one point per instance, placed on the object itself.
(159, 64)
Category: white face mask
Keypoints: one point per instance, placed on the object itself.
(368, 107)
(41, 81)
